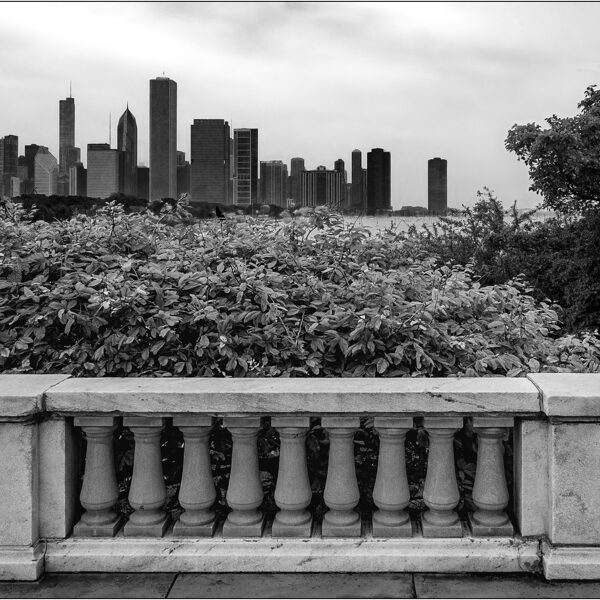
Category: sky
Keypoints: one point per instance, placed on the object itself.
(318, 80)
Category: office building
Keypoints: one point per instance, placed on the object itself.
(163, 138)
(45, 172)
(273, 183)
(379, 181)
(437, 186)
(295, 190)
(321, 187)
(358, 199)
(210, 161)
(183, 174)
(66, 132)
(340, 167)
(127, 146)
(78, 180)
(9, 164)
(245, 157)
(143, 182)
(102, 171)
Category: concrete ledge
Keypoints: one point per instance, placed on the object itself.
(571, 562)
(21, 563)
(569, 394)
(285, 556)
(23, 395)
(302, 396)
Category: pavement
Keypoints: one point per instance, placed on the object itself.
(295, 585)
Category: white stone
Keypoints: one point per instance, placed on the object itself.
(309, 396)
(23, 395)
(569, 394)
(21, 563)
(570, 563)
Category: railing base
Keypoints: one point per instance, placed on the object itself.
(21, 563)
(570, 562)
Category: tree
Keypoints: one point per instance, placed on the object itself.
(564, 159)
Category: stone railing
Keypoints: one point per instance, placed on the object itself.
(57, 506)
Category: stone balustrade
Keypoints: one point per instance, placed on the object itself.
(60, 487)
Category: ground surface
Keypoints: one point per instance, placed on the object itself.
(289, 585)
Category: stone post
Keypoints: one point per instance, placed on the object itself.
(197, 493)
(490, 492)
(148, 492)
(293, 492)
(341, 488)
(391, 494)
(441, 490)
(99, 492)
(245, 493)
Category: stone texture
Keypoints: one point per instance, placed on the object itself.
(21, 563)
(531, 458)
(575, 493)
(499, 586)
(23, 395)
(569, 394)
(571, 562)
(291, 585)
(319, 396)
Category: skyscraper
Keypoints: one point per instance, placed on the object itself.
(340, 167)
(9, 163)
(163, 138)
(358, 199)
(66, 135)
(127, 146)
(379, 181)
(183, 174)
(102, 171)
(45, 172)
(296, 169)
(245, 155)
(273, 182)
(322, 187)
(210, 157)
(437, 186)
(78, 180)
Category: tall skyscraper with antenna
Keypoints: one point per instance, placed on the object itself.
(68, 154)
(127, 146)
(163, 138)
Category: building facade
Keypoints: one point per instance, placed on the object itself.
(45, 172)
(163, 138)
(437, 186)
(297, 167)
(358, 199)
(210, 161)
(66, 132)
(273, 183)
(143, 182)
(78, 180)
(183, 174)
(127, 146)
(321, 187)
(245, 156)
(102, 170)
(9, 164)
(379, 190)
(340, 167)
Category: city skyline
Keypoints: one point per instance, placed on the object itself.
(317, 80)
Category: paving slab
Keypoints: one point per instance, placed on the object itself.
(293, 585)
(92, 585)
(501, 586)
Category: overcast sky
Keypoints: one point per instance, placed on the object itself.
(317, 79)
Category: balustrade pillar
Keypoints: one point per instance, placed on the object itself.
(245, 493)
(292, 492)
(148, 492)
(197, 493)
(341, 488)
(441, 490)
(99, 492)
(490, 492)
(391, 494)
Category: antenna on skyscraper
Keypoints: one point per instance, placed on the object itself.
(70, 89)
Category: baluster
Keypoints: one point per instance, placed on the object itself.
(99, 492)
(490, 492)
(245, 493)
(148, 492)
(341, 488)
(292, 492)
(441, 491)
(391, 494)
(197, 493)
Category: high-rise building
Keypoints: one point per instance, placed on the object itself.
(163, 138)
(296, 169)
(358, 200)
(78, 180)
(127, 146)
(183, 174)
(9, 164)
(273, 182)
(45, 172)
(143, 182)
(102, 171)
(66, 131)
(379, 181)
(340, 167)
(209, 165)
(437, 186)
(322, 187)
(245, 159)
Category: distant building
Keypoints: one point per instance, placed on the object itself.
(183, 174)
(245, 153)
(322, 188)
(379, 181)
(66, 133)
(437, 186)
(358, 199)
(295, 190)
(26, 168)
(143, 182)
(273, 183)
(78, 180)
(163, 138)
(127, 146)
(9, 164)
(45, 172)
(102, 170)
(62, 183)
(209, 165)
(340, 167)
